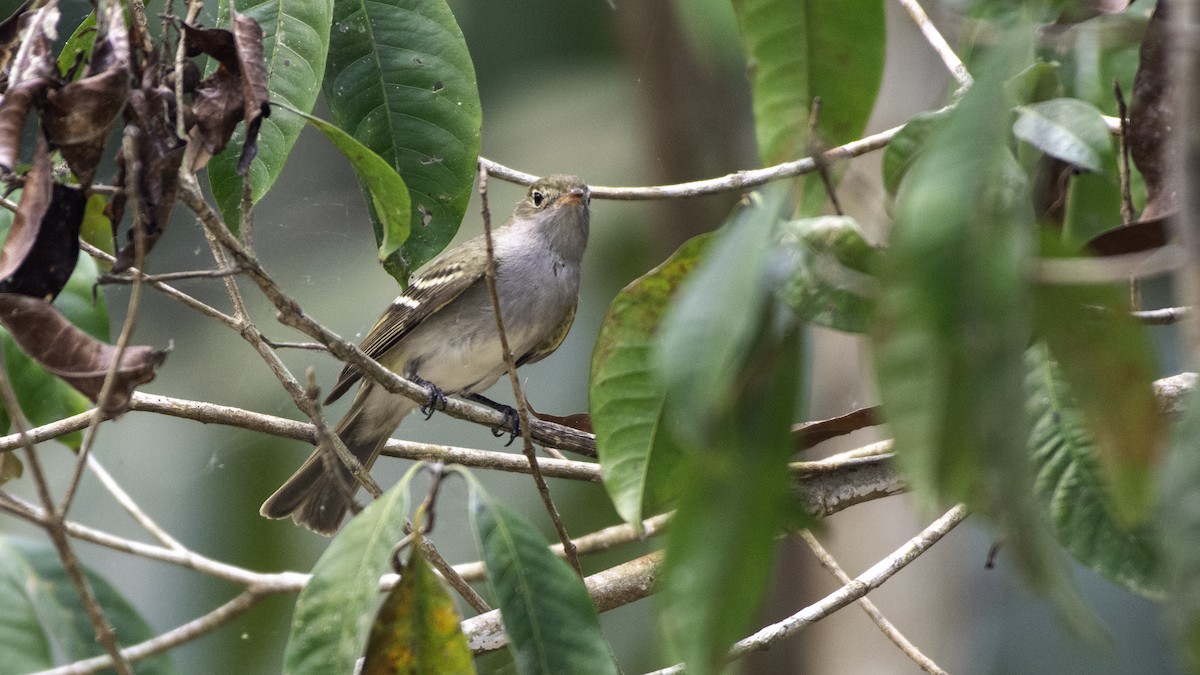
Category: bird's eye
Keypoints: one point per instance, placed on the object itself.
(537, 197)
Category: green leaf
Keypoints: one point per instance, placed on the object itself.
(727, 290)
(333, 613)
(417, 628)
(1066, 128)
(1093, 204)
(720, 547)
(550, 620)
(401, 81)
(42, 621)
(79, 46)
(1073, 489)
(389, 196)
(625, 394)
(906, 146)
(954, 309)
(1107, 359)
(798, 51)
(295, 43)
(1179, 530)
(1039, 82)
(829, 282)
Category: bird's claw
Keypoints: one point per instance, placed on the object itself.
(437, 399)
(512, 420)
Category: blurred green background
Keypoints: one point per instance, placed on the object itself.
(629, 93)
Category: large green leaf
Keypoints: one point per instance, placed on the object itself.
(721, 544)
(295, 43)
(798, 50)
(1107, 359)
(829, 280)
(401, 81)
(550, 620)
(42, 621)
(333, 613)
(1074, 491)
(1179, 530)
(625, 394)
(709, 331)
(906, 146)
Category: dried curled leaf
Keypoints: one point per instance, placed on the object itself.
(29, 77)
(236, 91)
(47, 337)
(10, 34)
(78, 119)
(43, 244)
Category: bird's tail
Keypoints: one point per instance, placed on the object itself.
(318, 498)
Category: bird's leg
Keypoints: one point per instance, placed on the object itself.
(437, 399)
(511, 418)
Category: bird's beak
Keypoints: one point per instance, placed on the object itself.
(575, 196)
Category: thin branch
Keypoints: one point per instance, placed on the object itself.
(939, 44)
(518, 395)
(887, 627)
(168, 276)
(172, 638)
(1164, 316)
(848, 593)
(131, 507)
(106, 635)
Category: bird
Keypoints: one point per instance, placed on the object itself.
(441, 332)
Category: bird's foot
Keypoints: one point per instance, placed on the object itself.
(437, 399)
(512, 419)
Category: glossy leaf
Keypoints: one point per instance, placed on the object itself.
(333, 613)
(1066, 128)
(550, 620)
(417, 627)
(829, 280)
(699, 364)
(626, 395)
(1039, 82)
(401, 81)
(295, 43)
(78, 45)
(1074, 491)
(389, 196)
(42, 621)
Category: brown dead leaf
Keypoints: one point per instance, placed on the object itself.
(78, 119)
(43, 243)
(60, 347)
(236, 91)
(151, 108)
(1143, 235)
(1151, 118)
(29, 77)
(10, 33)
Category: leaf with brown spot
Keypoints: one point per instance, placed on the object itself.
(47, 337)
(1152, 116)
(43, 244)
(248, 36)
(417, 627)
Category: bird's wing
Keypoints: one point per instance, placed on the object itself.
(436, 286)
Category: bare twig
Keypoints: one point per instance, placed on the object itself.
(848, 593)
(189, 631)
(124, 278)
(1163, 316)
(106, 635)
(889, 630)
(131, 507)
(939, 44)
(1123, 155)
(518, 395)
